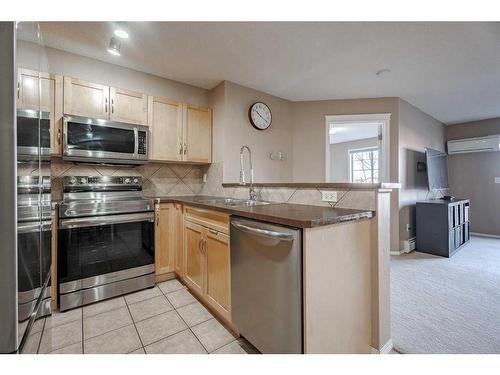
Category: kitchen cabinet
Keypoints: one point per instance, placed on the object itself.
(194, 235)
(128, 106)
(179, 132)
(207, 258)
(179, 265)
(165, 125)
(218, 268)
(82, 98)
(43, 91)
(165, 238)
(197, 134)
(86, 99)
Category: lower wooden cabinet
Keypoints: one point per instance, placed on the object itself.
(218, 277)
(207, 260)
(165, 238)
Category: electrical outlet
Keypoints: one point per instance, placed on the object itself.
(497, 180)
(329, 196)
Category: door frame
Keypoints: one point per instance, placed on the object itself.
(384, 121)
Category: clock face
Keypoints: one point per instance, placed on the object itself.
(260, 116)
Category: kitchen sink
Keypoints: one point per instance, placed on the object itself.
(233, 202)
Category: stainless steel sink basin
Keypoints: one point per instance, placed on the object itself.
(233, 202)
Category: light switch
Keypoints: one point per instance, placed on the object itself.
(497, 180)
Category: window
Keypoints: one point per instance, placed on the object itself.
(363, 165)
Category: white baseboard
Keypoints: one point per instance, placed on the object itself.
(484, 235)
(396, 252)
(385, 349)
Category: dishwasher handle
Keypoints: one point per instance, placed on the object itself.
(264, 232)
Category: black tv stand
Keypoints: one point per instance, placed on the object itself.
(443, 226)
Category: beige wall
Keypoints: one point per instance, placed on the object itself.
(65, 63)
(417, 130)
(231, 103)
(339, 157)
(473, 176)
(309, 145)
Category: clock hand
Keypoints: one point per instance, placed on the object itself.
(261, 116)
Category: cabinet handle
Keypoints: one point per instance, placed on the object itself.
(106, 105)
(157, 218)
(185, 148)
(205, 247)
(112, 106)
(213, 231)
(18, 90)
(180, 148)
(200, 245)
(58, 136)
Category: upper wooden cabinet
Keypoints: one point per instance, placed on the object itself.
(82, 98)
(86, 99)
(165, 125)
(128, 106)
(197, 134)
(179, 132)
(44, 92)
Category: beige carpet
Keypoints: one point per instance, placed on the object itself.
(442, 305)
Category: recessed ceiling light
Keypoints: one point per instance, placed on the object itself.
(120, 33)
(114, 47)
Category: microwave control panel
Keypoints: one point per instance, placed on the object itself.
(142, 146)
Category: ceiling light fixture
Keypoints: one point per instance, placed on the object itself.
(120, 33)
(114, 47)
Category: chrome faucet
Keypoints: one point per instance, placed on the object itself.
(252, 192)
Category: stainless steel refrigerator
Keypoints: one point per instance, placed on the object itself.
(25, 188)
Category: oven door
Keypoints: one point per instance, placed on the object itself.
(33, 131)
(94, 251)
(102, 141)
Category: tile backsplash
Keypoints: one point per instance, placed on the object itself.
(158, 179)
(180, 179)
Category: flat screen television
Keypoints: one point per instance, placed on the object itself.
(437, 169)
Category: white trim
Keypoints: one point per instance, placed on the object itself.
(385, 125)
(484, 235)
(385, 349)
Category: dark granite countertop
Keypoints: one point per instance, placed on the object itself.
(294, 215)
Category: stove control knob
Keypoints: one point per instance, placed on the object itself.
(72, 180)
(83, 180)
(128, 180)
(136, 180)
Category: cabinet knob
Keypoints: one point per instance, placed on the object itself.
(58, 136)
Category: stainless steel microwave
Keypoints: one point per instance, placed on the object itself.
(101, 141)
(33, 134)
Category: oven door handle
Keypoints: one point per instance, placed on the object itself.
(105, 220)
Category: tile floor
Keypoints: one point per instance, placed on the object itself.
(161, 320)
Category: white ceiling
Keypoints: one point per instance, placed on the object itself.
(449, 70)
(346, 132)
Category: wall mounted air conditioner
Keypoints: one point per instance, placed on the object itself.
(480, 144)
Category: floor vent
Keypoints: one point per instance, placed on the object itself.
(409, 245)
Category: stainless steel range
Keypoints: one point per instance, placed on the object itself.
(106, 239)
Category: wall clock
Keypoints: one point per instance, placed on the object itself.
(260, 116)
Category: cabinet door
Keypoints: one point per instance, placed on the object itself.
(165, 124)
(218, 286)
(128, 106)
(198, 134)
(87, 99)
(179, 241)
(194, 256)
(43, 91)
(164, 238)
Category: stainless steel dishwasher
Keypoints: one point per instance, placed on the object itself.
(266, 285)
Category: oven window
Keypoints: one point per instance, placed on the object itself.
(92, 251)
(100, 138)
(27, 132)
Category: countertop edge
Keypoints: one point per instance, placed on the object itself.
(356, 216)
(321, 185)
